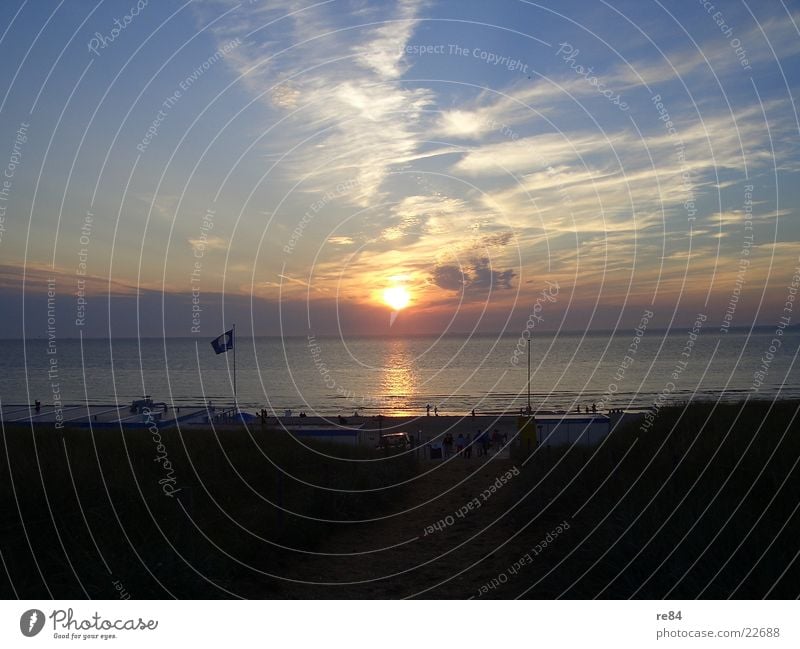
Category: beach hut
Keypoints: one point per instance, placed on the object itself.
(568, 429)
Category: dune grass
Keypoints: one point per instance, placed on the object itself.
(705, 503)
(237, 499)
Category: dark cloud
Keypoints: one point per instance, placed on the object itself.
(480, 277)
(500, 239)
(449, 277)
(485, 278)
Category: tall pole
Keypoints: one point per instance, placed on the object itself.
(529, 376)
(233, 340)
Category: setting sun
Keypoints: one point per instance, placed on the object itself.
(397, 297)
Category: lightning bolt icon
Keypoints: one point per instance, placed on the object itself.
(32, 621)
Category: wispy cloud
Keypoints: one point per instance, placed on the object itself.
(337, 86)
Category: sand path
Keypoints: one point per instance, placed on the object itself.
(423, 564)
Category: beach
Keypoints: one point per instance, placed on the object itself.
(315, 519)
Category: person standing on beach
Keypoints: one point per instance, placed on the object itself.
(468, 447)
(460, 444)
(428, 410)
(496, 440)
(485, 443)
(448, 444)
(436, 411)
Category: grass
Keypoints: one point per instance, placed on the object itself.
(704, 504)
(111, 519)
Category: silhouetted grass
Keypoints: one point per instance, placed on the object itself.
(702, 504)
(240, 498)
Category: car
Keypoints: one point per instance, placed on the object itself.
(395, 441)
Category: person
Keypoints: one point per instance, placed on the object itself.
(496, 438)
(436, 411)
(473, 413)
(485, 442)
(587, 410)
(38, 405)
(594, 407)
(428, 410)
(448, 444)
(460, 443)
(468, 447)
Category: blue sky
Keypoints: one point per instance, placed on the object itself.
(462, 150)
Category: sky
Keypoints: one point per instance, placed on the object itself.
(171, 168)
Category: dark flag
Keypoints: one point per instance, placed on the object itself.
(223, 343)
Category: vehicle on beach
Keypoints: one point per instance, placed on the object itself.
(395, 441)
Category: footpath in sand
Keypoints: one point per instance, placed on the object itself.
(441, 525)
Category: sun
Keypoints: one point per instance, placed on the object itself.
(396, 297)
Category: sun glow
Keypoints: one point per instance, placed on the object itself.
(396, 297)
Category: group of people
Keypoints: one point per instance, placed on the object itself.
(435, 410)
(483, 441)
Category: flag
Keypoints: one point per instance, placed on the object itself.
(223, 343)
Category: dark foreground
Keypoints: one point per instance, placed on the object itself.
(704, 504)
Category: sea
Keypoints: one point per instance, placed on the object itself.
(404, 375)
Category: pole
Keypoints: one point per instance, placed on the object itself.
(233, 340)
(529, 376)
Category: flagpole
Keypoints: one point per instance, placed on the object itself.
(529, 376)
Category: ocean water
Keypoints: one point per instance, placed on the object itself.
(402, 375)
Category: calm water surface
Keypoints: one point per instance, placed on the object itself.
(402, 375)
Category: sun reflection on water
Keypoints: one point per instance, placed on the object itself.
(398, 382)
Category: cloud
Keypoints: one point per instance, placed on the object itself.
(383, 52)
(498, 112)
(335, 76)
(341, 241)
(545, 165)
(37, 275)
(208, 243)
(486, 278)
(450, 278)
(479, 277)
(285, 95)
